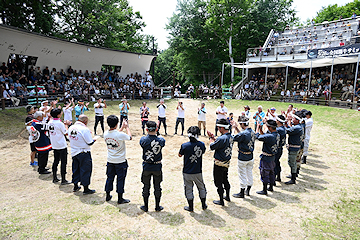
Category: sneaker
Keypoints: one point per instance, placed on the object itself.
(31, 164)
(35, 163)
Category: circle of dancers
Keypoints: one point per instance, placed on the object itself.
(290, 129)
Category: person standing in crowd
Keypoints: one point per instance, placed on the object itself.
(302, 138)
(29, 128)
(267, 158)
(57, 134)
(271, 114)
(152, 167)
(67, 109)
(294, 130)
(192, 170)
(180, 118)
(30, 110)
(45, 108)
(161, 115)
(80, 142)
(124, 110)
(99, 114)
(41, 141)
(280, 120)
(230, 119)
(221, 112)
(144, 114)
(80, 108)
(259, 117)
(308, 126)
(246, 145)
(247, 111)
(116, 160)
(222, 156)
(202, 118)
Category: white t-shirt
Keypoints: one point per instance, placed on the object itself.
(222, 110)
(80, 138)
(202, 115)
(308, 126)
(181, 113)
(68, 114)
(270, 117)
(31, 139)
(99, 111)
(161, 111)
(57, 131)
(115, 142)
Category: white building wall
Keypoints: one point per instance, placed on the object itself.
(62, 54)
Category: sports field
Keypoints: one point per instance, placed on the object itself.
(323, 204)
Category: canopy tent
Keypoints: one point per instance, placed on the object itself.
(306, 64)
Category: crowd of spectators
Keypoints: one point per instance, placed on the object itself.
(300, 40)
(19, 85)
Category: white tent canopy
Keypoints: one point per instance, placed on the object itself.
(306, 64)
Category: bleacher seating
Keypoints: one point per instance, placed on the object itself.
(293, 43)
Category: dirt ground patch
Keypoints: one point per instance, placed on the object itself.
(31, 206)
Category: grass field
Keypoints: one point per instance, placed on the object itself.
(324, 204)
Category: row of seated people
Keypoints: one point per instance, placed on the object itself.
(17, 85)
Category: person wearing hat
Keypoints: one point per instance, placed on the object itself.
(192, 170)
(57, 134)
(259, 117)
(152, 167)
(280, 120)
(267, 158)
(247, 111)
(308, 126)
(31, 130)
(246, 142)
(294, 130)
(99, 114)
(80, 108)
(80, 141)
(41, 141)
(124, 107)
(221, 112)
(222, 156)
(271, 114)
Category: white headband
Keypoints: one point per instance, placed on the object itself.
(192, 135)
(224, 126)
(243, 122)
(298, 118)
(280, 120)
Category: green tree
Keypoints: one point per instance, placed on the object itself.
(333, 12)
(32, 15)
(110, 23)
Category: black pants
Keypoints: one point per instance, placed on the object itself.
(277, 169)
(143, 124)
(221, 179)
(122, 117)
(97, 120)
(119, 170)
(157, 179)
(43, 157)
(162, 120)
(60, 155)
(180, 120)
(82, 168)
(267, 171)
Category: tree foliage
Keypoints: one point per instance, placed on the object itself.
(333, 12)
(32, 15)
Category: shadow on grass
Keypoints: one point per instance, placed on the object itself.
(311, 171)
(130, 209)
(311, 179)
(284, 197)
(314, 155)
(168, 218)
(239, 212)
(207, 217)
(260, 202)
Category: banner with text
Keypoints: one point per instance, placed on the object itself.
(353, 49)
